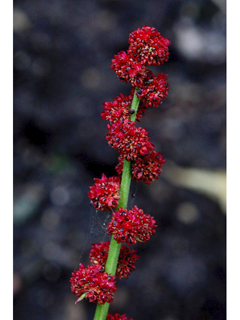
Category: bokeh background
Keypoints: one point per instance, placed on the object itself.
(62, 76)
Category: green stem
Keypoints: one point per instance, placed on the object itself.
(114, 249)
(135, 104)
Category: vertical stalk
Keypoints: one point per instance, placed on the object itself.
(114, 249)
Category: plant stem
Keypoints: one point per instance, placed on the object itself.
(135, 104)
(114, 248)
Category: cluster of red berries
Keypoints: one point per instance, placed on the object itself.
(131, 226)
(144, 169)
(131, 141)
(104, 194)
(120, 108)
(146, 47)
(93, 283)
(126, 262)
(117, 316)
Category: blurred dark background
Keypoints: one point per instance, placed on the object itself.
(62, 76)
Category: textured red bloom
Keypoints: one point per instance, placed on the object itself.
(125, 67)
(128, 139)
(120, 108)
(93, 284)
(141, 77)
(145, 169)
(153, 90)
(126, 262)
(148, 168)
(131, 226)
(104, 194)
(148, 46)
(117, 316)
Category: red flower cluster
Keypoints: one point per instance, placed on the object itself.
(131, 141)
(131, 226)
(153, 90)
(104, 194)
(145, 169)
(120, 108)
(148, 46)
(126, 262)
(125, 67)
(117, 316)
(93, 284)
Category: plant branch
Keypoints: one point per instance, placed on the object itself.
(114, 248)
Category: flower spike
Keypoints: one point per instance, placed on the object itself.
(137, 160)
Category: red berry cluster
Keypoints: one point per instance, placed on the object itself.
(131, 226)
(93, 283)
(144, 169)
(131, 141)
(147, 47)
(117, 316)
(126, 262)
(127, 226)
(120, 108)
(104, 194)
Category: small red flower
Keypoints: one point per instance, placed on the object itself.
(117, 316)
(144, 169)
(125, 67)
(126, 262)
(104, 194)
(93, 284)
(148, 168)
(120, 108)
(128, 139)
(148, 46)
(131, 226)
(153, 90)
(141, 77)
